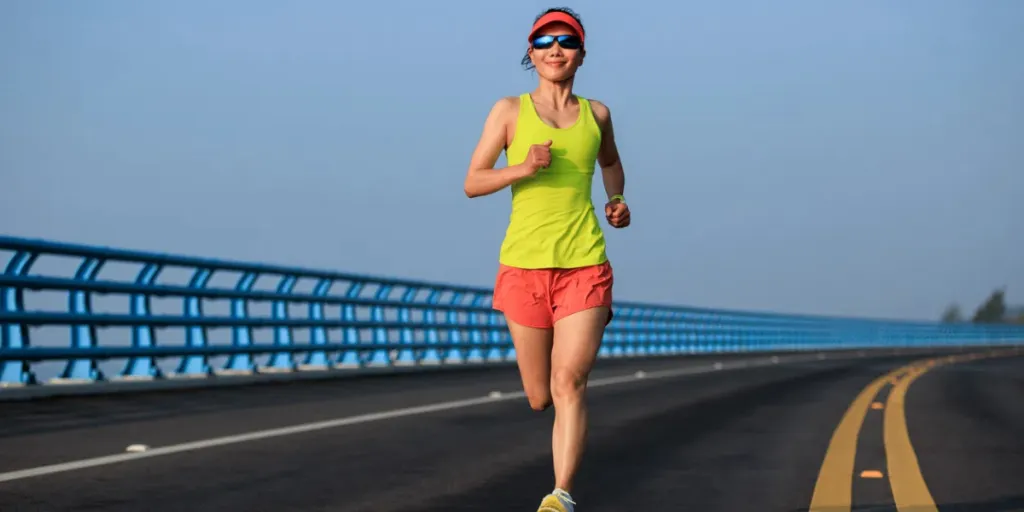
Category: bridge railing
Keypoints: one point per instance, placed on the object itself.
(347, 320)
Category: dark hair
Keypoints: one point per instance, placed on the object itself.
(526, 58)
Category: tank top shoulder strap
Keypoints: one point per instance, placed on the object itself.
(587, 121)
(528, 118)
(585, 110)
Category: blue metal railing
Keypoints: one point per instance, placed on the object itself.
(380, 321)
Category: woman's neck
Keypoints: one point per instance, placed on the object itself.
(555, 95)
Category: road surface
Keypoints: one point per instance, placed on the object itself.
(750, 434)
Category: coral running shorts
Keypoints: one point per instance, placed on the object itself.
(540, 297)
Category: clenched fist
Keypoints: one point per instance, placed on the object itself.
(538, 157)
(617, 213)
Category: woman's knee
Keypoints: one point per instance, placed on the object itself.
(539, 400)
(567, 384)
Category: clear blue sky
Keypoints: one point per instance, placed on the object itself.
(853, 158)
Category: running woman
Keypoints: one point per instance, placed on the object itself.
(554, 280)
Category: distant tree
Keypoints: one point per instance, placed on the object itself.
(1015, 314)
(952, 314)
(992, 310)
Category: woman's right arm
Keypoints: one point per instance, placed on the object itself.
(482, 178)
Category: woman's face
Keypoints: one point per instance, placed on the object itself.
(554, 61)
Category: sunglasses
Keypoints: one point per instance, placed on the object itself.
(569, 42)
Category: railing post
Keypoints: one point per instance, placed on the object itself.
(734, 332)
(496, 336)
(717, 335)
(476, 335)
(15, 335)
(620, 338)
(318, 359)
(745, 334)
(406, 357)
(721, 333)
(736, 335)
(453, 353)
(653, 340)
(666, 333)
(634, 334)
(663, 335)
(241, 335)
(698, 334)
(83, 336)
(714, 333)
(655, 344)
(638, 336)
(380, 334)
(700, 338)
(706, 333)
(754, 337)
(635, 337)
(431, 335)
(677, 333)
(143, 335)
(350, 358)
(196, 365)
(283, 361)
(687, 334)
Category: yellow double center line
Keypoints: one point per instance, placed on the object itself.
(833, 491)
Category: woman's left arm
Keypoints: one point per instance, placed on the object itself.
(616, 210)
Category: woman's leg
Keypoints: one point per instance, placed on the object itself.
(577, 338)
(533, 356)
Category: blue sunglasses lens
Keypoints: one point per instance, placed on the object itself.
(569, 42)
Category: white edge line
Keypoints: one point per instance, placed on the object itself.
(366, 418)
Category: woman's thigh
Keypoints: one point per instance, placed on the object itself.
(533, 356)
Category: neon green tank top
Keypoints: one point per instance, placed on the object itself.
(553, 224)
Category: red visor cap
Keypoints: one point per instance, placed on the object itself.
(554, 17)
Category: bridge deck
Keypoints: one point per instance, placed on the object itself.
(731, 439)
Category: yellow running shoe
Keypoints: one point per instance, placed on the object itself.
(557, 501)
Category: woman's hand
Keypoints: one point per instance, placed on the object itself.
(617, 213)
(538, 157)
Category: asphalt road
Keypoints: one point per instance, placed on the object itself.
(751, 435)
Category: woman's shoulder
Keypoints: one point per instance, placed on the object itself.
(602, 114)
(601, 111)
(506, 106)
(508, 102)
